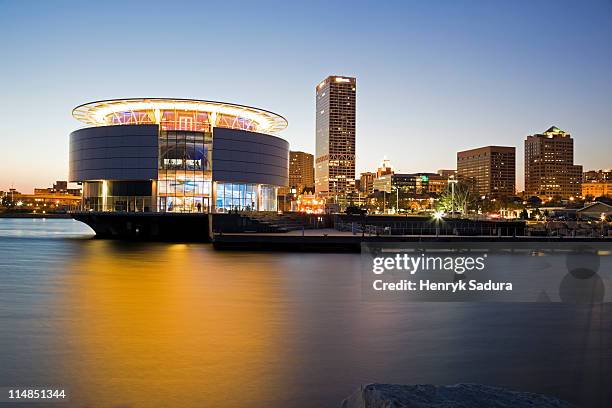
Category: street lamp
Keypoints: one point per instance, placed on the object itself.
(396, 198)
(452, 182)
(438, 217)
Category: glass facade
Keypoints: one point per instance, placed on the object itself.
(181, 119)
(185, 171)
(184, 182)
(245, 197)
(128, 196)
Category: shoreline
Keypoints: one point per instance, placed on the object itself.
(31, 215)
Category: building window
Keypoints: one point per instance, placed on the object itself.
(184, 174)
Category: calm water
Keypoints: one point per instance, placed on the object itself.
(179, 325)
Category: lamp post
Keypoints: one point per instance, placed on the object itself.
(438, 217)
(452, 182)
(384, 202)
(397, 199)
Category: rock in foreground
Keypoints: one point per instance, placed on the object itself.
(446, 396)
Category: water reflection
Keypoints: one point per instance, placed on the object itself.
(176, 325)
(164, 322)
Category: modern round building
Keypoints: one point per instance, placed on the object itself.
(178, 155)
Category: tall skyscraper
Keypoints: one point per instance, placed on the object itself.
(335, 136)
(549, 165)
(301, 171)
(491, 168)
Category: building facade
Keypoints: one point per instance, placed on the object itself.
(597, 189)
(59, 198)
(335, 136)
(448, 173)
(492, 169)
(384, 168)
(597, 183)
(549, 165)
(416, 185)
(597, 176)
(301, 171)
(178, 155)
(366, 182)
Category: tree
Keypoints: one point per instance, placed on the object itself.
(5, 201)
(462, 200)
(524, 214)
(534, 201)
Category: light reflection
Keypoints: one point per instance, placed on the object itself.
(158, 322)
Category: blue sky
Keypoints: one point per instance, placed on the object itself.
(433, 77)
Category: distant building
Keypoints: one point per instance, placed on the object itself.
(491, 168)
(597, 188)
(384, 168)
(597, 183)
(597, 175)
(366, 182)
(549, 165)
(58, 198)
(335, 136)
(301, 171)
(60, 187)
(447, 173)
(594, 211)
(437, 183)
(414, 184)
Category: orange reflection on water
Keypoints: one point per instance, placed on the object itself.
(169, 325)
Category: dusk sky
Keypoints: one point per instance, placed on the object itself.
(432, 77)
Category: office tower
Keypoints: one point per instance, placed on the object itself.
(301, 171)
(490, 168)
(335, 136)
(366, 182)
(549, 165)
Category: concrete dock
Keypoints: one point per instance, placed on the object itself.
(331, 240)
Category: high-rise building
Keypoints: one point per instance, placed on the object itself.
(490, 168)
(366, 182)
(335, 136)
(549, 165)
(301, 171)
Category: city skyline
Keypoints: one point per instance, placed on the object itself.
(426, 91)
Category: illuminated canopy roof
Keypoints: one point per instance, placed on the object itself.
(554, 129)
(179, 114)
